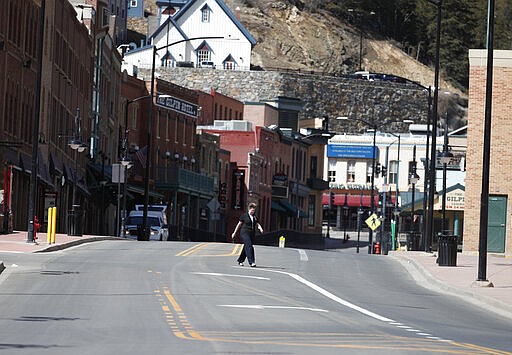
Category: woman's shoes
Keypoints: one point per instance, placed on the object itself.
(253, 265)
(241, 264)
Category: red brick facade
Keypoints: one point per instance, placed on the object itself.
(500, 184)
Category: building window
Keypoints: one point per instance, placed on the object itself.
(229, 65)
(393, 172)
(205, 14)
(311, 210)
(203, 55)
(106, 15)
(133, 3)
(369, 172)
(312, 167)
(351, 171)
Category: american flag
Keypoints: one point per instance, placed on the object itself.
(141, 156)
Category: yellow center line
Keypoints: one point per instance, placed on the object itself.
(192, 249)
(184, 330)
(173, 302)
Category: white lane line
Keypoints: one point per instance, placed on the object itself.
(257, 306)
(230, 275)
(332, 296)
(303, 255)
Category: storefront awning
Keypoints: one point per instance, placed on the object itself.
(292, 210)
(353, 200)
(276, 206)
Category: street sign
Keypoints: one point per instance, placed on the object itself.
(213, 205)
(373, 222)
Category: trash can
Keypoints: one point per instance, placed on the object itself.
(447, 250)
(385, 243)
(75, 222)
(413, 241)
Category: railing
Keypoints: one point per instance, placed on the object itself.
(174, 177)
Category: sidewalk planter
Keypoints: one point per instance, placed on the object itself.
(75, 222)
(447, 250)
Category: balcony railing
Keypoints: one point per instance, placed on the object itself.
(173, 178)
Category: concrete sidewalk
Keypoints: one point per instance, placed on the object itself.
(16, 242)
(460, 280)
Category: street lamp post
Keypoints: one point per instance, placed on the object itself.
(125, 161)
(413, 179)
(445, 158)
(432, 163)
(78, 146)
(486, 159)
(145, 229)
(35, 132)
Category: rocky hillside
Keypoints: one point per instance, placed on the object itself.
(290, 38)
(293, 39)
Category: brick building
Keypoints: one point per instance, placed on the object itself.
(500, 184)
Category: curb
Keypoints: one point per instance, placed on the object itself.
(425, 278)
(77, 242)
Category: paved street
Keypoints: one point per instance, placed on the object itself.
(127, 297)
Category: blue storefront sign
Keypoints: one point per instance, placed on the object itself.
(351, 151)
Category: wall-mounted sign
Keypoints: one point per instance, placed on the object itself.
(454, 201)
(351, 151)
(238, 189)
(177, 105)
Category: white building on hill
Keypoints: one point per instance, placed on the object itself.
(181, 22)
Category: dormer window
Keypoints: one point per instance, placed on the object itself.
(204, 54)
(205, 14)
(229, 63)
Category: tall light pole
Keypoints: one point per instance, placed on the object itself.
(432, 163)
(145, 230)
(374, 126)
(484, 202)
(125, 161)
(35, 131)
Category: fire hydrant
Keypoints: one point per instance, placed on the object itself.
(37, 225)
(377, 248)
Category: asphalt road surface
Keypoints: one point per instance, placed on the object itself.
(129, 297)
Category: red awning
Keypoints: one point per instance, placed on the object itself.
(353, 200)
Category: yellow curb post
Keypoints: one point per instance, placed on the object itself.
(54, 224)
(49, 229)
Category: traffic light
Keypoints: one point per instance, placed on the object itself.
(377, 169)
(381, 199)
(384, 170)
(331, 199)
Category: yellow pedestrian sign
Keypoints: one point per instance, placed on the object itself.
(373, 222)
